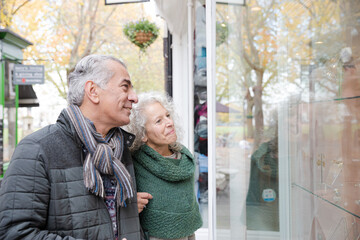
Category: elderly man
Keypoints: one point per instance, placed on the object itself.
(74, 179)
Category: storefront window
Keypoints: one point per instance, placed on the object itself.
(200, 109)
(287, 134)
(324, 136)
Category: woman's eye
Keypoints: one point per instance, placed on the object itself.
(158, 121)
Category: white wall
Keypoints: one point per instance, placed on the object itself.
(181, 86)
(175, 13)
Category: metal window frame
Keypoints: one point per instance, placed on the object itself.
(211, 111)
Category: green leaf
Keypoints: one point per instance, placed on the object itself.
(143, 25)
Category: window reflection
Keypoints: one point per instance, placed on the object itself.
(299, 60)
(262, 204)
(200, 109)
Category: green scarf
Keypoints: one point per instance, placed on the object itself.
(173, 212)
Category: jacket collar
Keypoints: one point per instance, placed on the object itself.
(65, 123)
(128, 137)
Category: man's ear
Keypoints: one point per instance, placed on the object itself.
(92, 91)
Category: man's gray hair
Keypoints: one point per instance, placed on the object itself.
(138, 118)
(92, 67)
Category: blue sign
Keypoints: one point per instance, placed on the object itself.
(269, 195)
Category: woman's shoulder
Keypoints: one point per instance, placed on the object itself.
(186, 151)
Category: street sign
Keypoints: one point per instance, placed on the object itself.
(28, 74)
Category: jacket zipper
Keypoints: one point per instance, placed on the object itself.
(112, 230)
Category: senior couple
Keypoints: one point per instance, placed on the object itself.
(84, 177)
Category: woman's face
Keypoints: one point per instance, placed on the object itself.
(159, 128)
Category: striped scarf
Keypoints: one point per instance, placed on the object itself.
(103, 157)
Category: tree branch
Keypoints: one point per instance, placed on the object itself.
(20, 6)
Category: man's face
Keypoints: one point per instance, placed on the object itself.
(117, 97)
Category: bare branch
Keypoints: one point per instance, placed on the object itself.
(19, 7)
(307, 8)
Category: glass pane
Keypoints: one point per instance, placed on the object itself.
(200, 110)
(299, 60)
(324, 141)
(233, 148)
(247, 183)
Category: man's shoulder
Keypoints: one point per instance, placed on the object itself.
(40, 134)
(52, 135)
(50, 143)
(31, 145)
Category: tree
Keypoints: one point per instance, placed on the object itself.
(253, 45)
(8, 9)
(265, 35)
(65, 31)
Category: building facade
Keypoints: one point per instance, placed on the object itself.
(12, 96)
(269, 94)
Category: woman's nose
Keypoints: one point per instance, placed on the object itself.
(169, 122)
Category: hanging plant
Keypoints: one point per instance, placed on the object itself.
(222, 32)
(142, 33)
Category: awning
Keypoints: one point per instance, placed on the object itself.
(27, 96)
(175, 14)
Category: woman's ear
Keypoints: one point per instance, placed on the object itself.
(144, 139)
(92, 91)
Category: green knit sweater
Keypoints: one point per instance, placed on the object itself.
(173, 212)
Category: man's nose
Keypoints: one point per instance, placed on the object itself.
(132, 96)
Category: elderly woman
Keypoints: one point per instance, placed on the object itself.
(164, 170)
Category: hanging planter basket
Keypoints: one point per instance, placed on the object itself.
(143, 37)
(142, 33)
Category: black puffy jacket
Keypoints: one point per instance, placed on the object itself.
(42, 195)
